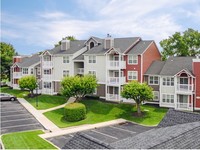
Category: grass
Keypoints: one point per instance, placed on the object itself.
(44, 101)
(98, 111)
(25, 140)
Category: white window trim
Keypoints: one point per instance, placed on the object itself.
(32, 69)
(24, 71)
(38, 71)
(170, 98)
(166, 81)
(134, 72)
(67, 59)
(66, 71)
(157, 95)
(92, 71)
(92, 59)
(46, 86)
(153, 80)
(47, 72)
(133, 59)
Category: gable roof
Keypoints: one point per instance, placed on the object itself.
(98, 40)
(140, 47)
(29, 61)
(155, 67)
(172, 136)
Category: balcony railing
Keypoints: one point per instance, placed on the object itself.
(184, 106)
(113, 97)
(47, 77)
(47, 64)
(117, 64)
(17, 74)
(80, 70)
(184, 87)
(116, 80)
(15, 86)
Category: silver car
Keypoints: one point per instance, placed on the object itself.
(5, 96)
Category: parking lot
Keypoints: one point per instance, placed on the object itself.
(107, 134)
(14, 118)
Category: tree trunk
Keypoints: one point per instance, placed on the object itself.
(138, 109)
(31, 93)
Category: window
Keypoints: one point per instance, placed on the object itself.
(31, 70)
(153, 80)
(91, 45)
(66, 59)
(92, 72)
(132, 75)
(65, 73)
(47, 85)
(38, 71)
(167, 98)
(168, 81)
(156, 95)
(47, 58)
(47, 71)
(132, 59)
(92, 59)
(25, 70)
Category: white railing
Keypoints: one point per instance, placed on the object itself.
(47, 77)
(117, 64)
(15, 86)
(80, 70)
(185, 87)
(17, 74)
(116, 80)
(113, 97)
(47, 64)
(184, 106)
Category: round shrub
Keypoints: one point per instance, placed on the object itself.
(74, 112)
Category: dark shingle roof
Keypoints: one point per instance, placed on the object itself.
(155, 67)
(80, 57)
(174, 117)
(120, 44)
(175, 64)
(28, 61)
(83, 141)
(140, 47)
(158, 137)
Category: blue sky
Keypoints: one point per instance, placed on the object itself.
(35, 25)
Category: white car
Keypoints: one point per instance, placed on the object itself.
(5, 96)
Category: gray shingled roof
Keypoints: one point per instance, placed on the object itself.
(140, 47)
(155, 68)
(121, 44)
(175, 64)
(29, 61)
(80, 57)
(83, 141)
(174, 117)
(162, 137)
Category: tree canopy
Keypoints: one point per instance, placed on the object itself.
(181, 44)
(138, 92)
(28, 82)
(70, 38)
(7, 52)
(78, 86)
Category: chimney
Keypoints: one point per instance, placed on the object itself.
(65, 44)
(108, 42)
(17, 59)
(196, 72)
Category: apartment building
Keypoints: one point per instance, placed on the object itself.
(176, 82)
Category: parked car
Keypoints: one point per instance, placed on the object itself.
(5, 96)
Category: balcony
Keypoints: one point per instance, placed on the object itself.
(17, 74)
(112, 97)
(47, 77)
(184, 88)
(47, 64)
(116, 64)
(184, 106)
(80, 70)
(116, 80)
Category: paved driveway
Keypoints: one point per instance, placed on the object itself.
(107, 134)
(14, 118)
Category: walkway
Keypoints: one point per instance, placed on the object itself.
(39, 116)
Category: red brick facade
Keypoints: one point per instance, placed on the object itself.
(196, 72)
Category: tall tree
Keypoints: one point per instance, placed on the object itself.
(138, 92)
(70, 38)
(7, 52)
(78, 86)
(28, 82)
(185, 44)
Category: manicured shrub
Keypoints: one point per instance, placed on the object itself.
(74, 112)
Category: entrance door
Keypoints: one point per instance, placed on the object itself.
(183, 99)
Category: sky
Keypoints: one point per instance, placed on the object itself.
(32, 26)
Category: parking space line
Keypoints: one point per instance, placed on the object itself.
(13, 115)
(19, 126)
(12, 111)
(122, 129)
(104, 134)
(17, 120)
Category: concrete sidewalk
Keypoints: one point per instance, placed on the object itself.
(39, 116)
(82, 128)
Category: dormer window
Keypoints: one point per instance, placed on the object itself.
(47, 58)
(91, 45)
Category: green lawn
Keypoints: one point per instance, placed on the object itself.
(98, 111)
(44, 101)
(25, 140)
